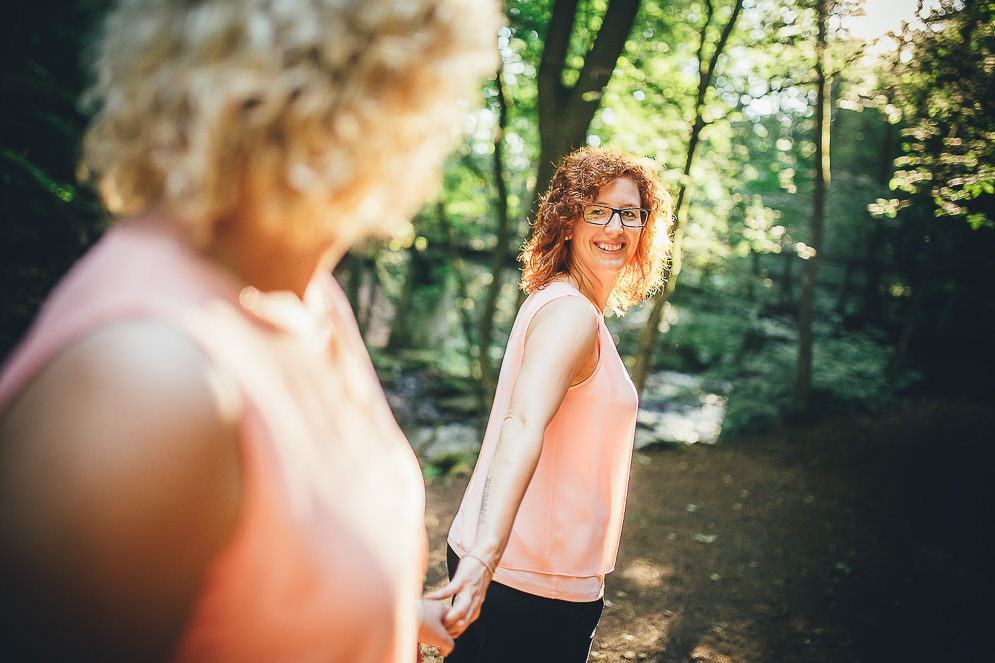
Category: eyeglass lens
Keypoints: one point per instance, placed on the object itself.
(602, 214)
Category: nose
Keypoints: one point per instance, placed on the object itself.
(614, 224)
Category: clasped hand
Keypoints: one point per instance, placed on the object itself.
(432, 630)
(468, 587)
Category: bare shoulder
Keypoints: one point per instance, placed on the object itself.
(574, 311)
(565, 319)
(562, 342)
(119, 483)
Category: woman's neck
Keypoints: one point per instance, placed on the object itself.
(596, 291)
(268, 263)
(250, 255)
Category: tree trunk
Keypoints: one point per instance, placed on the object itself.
(351, 280)
(844, 290)
(872, 289)
(787, 288)
(350, 272)
(751, 283)
(803, 382)
(647, 341)
(565, 113)
(922, 276)
(401, 327)
(488, 378)
(462, 295)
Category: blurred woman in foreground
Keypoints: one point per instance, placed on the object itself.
(196, 460)
(539, 525)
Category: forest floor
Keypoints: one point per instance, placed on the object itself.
(859, 539)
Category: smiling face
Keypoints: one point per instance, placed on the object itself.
(600, 252)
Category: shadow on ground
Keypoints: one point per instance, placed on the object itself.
(858, 539)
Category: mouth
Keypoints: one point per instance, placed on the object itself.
(610, 247)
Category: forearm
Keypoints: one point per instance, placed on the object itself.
(511, 469)
(551, 362)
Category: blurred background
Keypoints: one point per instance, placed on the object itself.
(826, 330)
(831, 162)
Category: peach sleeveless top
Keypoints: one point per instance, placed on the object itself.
(329, 554)
(565, 535)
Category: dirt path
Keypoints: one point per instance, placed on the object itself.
(862, 539)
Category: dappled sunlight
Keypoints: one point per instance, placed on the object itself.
(705, 653)
(638, 641)
(646, 574)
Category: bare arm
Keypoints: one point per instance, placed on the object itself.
(119, 483)
(560, 350)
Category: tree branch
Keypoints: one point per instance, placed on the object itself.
(549, 78)
(599, 64)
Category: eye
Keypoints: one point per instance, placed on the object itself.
(596, 211)
(630, 214)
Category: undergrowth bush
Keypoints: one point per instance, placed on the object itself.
(733, 340)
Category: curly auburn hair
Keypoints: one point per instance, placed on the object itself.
(351, 101)
(576, 183)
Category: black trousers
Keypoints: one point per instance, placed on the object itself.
(516, 626)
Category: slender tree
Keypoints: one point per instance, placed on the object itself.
(499, 259)
(706, 74)
(806, 307)
(462, 291)
(416, 274)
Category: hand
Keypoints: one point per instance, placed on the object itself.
(468, 587)
(432, 631)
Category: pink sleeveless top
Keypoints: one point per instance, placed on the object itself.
(329, 554)
(565, 535)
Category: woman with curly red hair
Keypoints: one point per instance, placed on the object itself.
(539, 525)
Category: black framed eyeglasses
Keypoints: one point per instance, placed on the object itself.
(601, 215)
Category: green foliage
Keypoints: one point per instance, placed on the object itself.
(48, 220)
(705, 329)
(749, 193)
(851, 369)
(734, 340)
(748, 196)
(449, 464)
(761, 395)
(944, 82)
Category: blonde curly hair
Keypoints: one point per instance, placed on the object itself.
(349, 101)
(580, 176)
